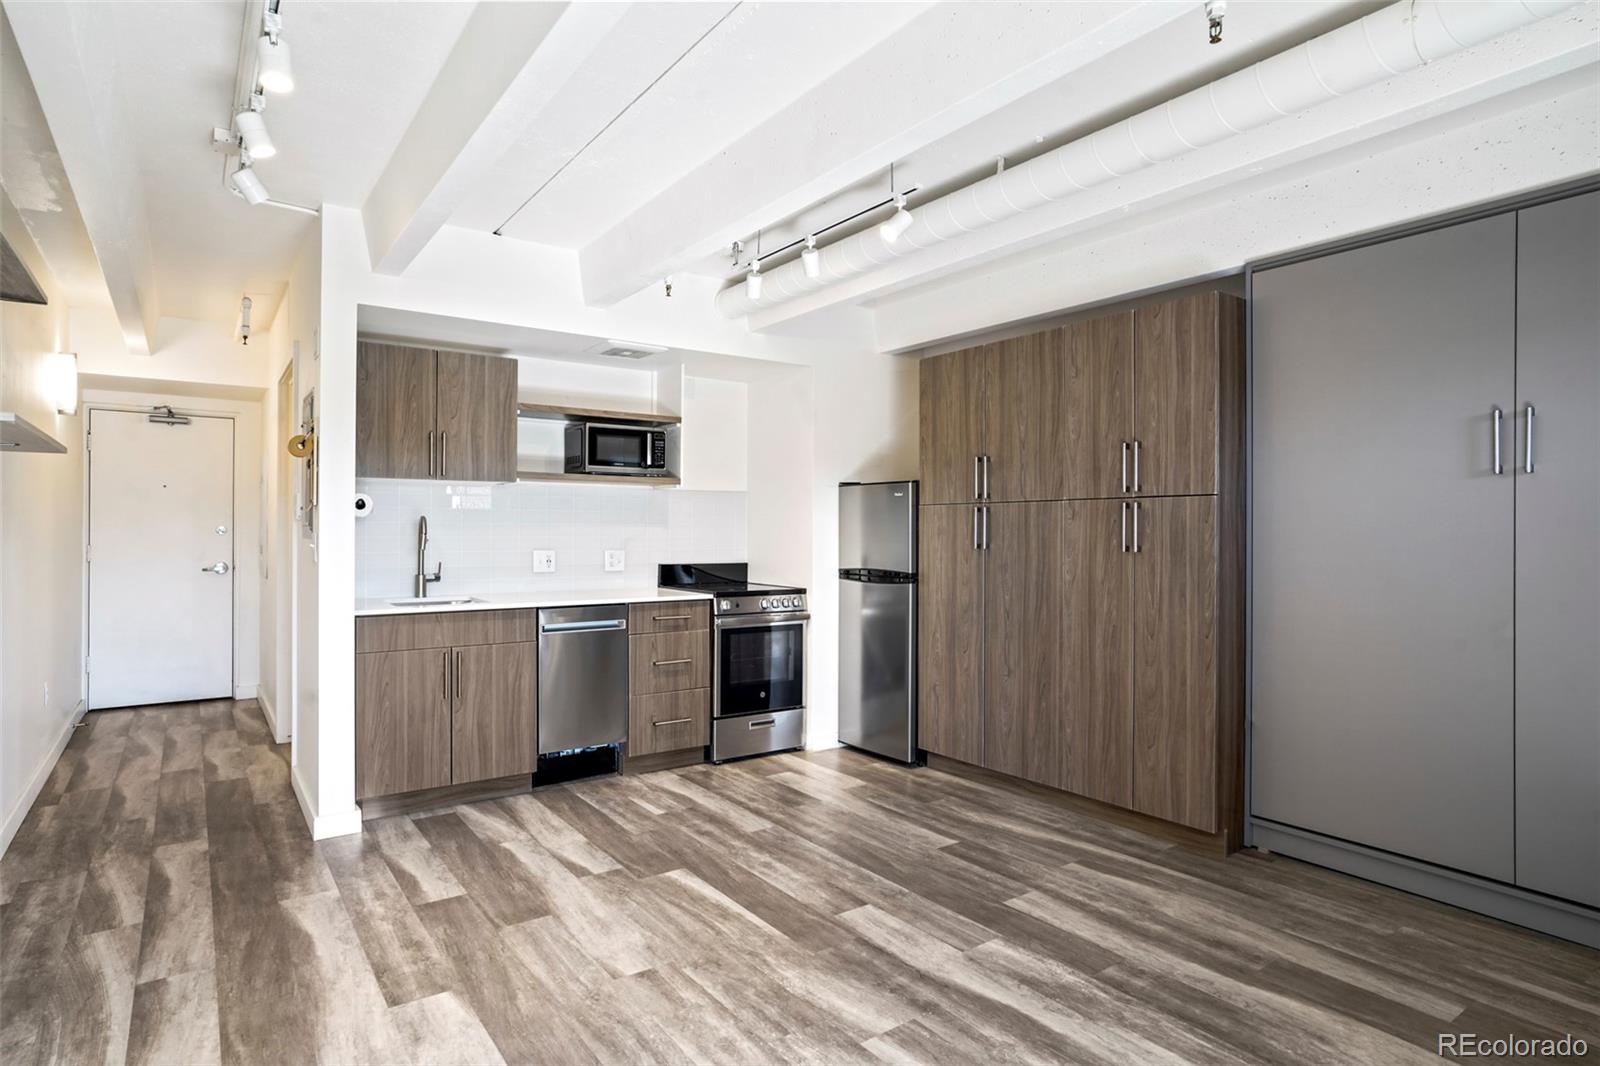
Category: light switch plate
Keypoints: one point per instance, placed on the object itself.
(614, 561)
(544, 562)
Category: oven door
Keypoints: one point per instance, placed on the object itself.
(616, 449)
(760, 664)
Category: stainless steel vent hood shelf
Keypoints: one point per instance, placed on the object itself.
(17, 434)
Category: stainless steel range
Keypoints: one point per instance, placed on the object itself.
(758, 676)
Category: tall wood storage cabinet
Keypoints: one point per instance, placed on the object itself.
(1426, 562)
(1080, 546)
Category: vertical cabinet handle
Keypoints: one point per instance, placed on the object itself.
(430, 453)
(1124, 525)
(458, 675)
(444, 449)
(1124, 466)
(975, 545)
(1136, 526)
(1527, 451)
(977, 479)
(1137, 487)
(986, 478)
(1499, 417)
(444, 675)
(985, 529)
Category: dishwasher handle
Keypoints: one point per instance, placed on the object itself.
(607, 625)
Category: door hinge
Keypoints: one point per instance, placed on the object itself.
(88, 553)
(88, 442)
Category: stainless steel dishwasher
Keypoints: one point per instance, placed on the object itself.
(583, 677)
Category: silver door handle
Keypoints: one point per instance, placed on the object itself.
(1136, 526)
(1124, 466)
(975, 545)
(986, 477)
(444, 675)
(444, 449)
(430, 453)
(1137, 487)
(670, 662)
(985, 511)
(977, 478)
(457, 672)
(1527, 455)
(215, 568)
(1499, 467)
(766, 724)
(671, 721)
(672, 617)
(1124, 525)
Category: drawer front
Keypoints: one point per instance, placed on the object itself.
(669, 662)
(669, 721)
(445, 629)
(757, 734)
(676, 617)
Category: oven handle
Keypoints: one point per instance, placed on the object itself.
(749, 621)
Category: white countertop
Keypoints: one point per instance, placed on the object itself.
(502, 601)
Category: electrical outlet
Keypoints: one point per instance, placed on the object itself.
(544, 562)
(614, 561)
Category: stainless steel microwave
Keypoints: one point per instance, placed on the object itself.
(615, 448)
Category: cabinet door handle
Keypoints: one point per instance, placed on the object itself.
(1124, 466)
(1137, 485)
(985, 529)
(1499, 466)
(1124, 526)
(672, 617)
(977, 477)
(458, 675)
(1528, 450)
(671, 721)
(444, 449)
(1136, 526)
(430, 453)
(444, 675)
(986, 477)
(671, 662)
(975, 545)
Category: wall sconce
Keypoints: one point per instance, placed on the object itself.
(61, 382)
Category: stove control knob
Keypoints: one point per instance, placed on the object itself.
(788, 601)
(766, 604)
(727, 605)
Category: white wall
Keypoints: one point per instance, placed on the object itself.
(41, 522)
(184, 350)
(714, 451)
(485, 535)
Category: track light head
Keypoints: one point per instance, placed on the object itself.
(253, 134)
(752, 281)
(248, 186)
(896, 224)
(810, 258)
(274, 73)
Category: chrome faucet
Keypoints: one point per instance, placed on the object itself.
(424, 579)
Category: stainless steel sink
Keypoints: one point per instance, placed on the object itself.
(435, 601)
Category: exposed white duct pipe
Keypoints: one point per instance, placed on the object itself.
(1397, 39)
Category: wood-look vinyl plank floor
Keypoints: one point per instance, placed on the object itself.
(163, 903)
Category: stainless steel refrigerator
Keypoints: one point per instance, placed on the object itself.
(878, 618)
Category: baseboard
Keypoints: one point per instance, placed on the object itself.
(1569, 921)
(270, 713)
(41, 774)
(246, 692)
(324, 826)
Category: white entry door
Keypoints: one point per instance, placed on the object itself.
(160, 559)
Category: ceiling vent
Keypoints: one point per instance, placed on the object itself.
(624, 350)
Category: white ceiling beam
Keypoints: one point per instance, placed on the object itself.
(72, 64)
(510, 61)
(943, 70)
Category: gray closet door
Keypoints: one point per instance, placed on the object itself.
(1558, 549)
(1382, 553)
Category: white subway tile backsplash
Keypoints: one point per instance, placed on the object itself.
(485, 535)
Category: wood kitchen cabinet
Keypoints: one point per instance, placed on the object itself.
(444, 699)
(1081, 619)
(423, 414)
(669, 677)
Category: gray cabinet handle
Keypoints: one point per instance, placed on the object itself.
(671, 662)
(671, 721)
(444, 675)
(1136, 526)
(1124, 526)
(1499, 467)
(1124, 466)
(975, 545)
(1137, 487)
(458, 675)
(1528, 450)
(985, 528)
(986, 477)
(444, 449)
(672, 617)
(977, 477)
(431, 466)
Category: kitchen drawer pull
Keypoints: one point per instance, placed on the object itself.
(764, 724)
(671, 662)
(672, 617)
(671, 721)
